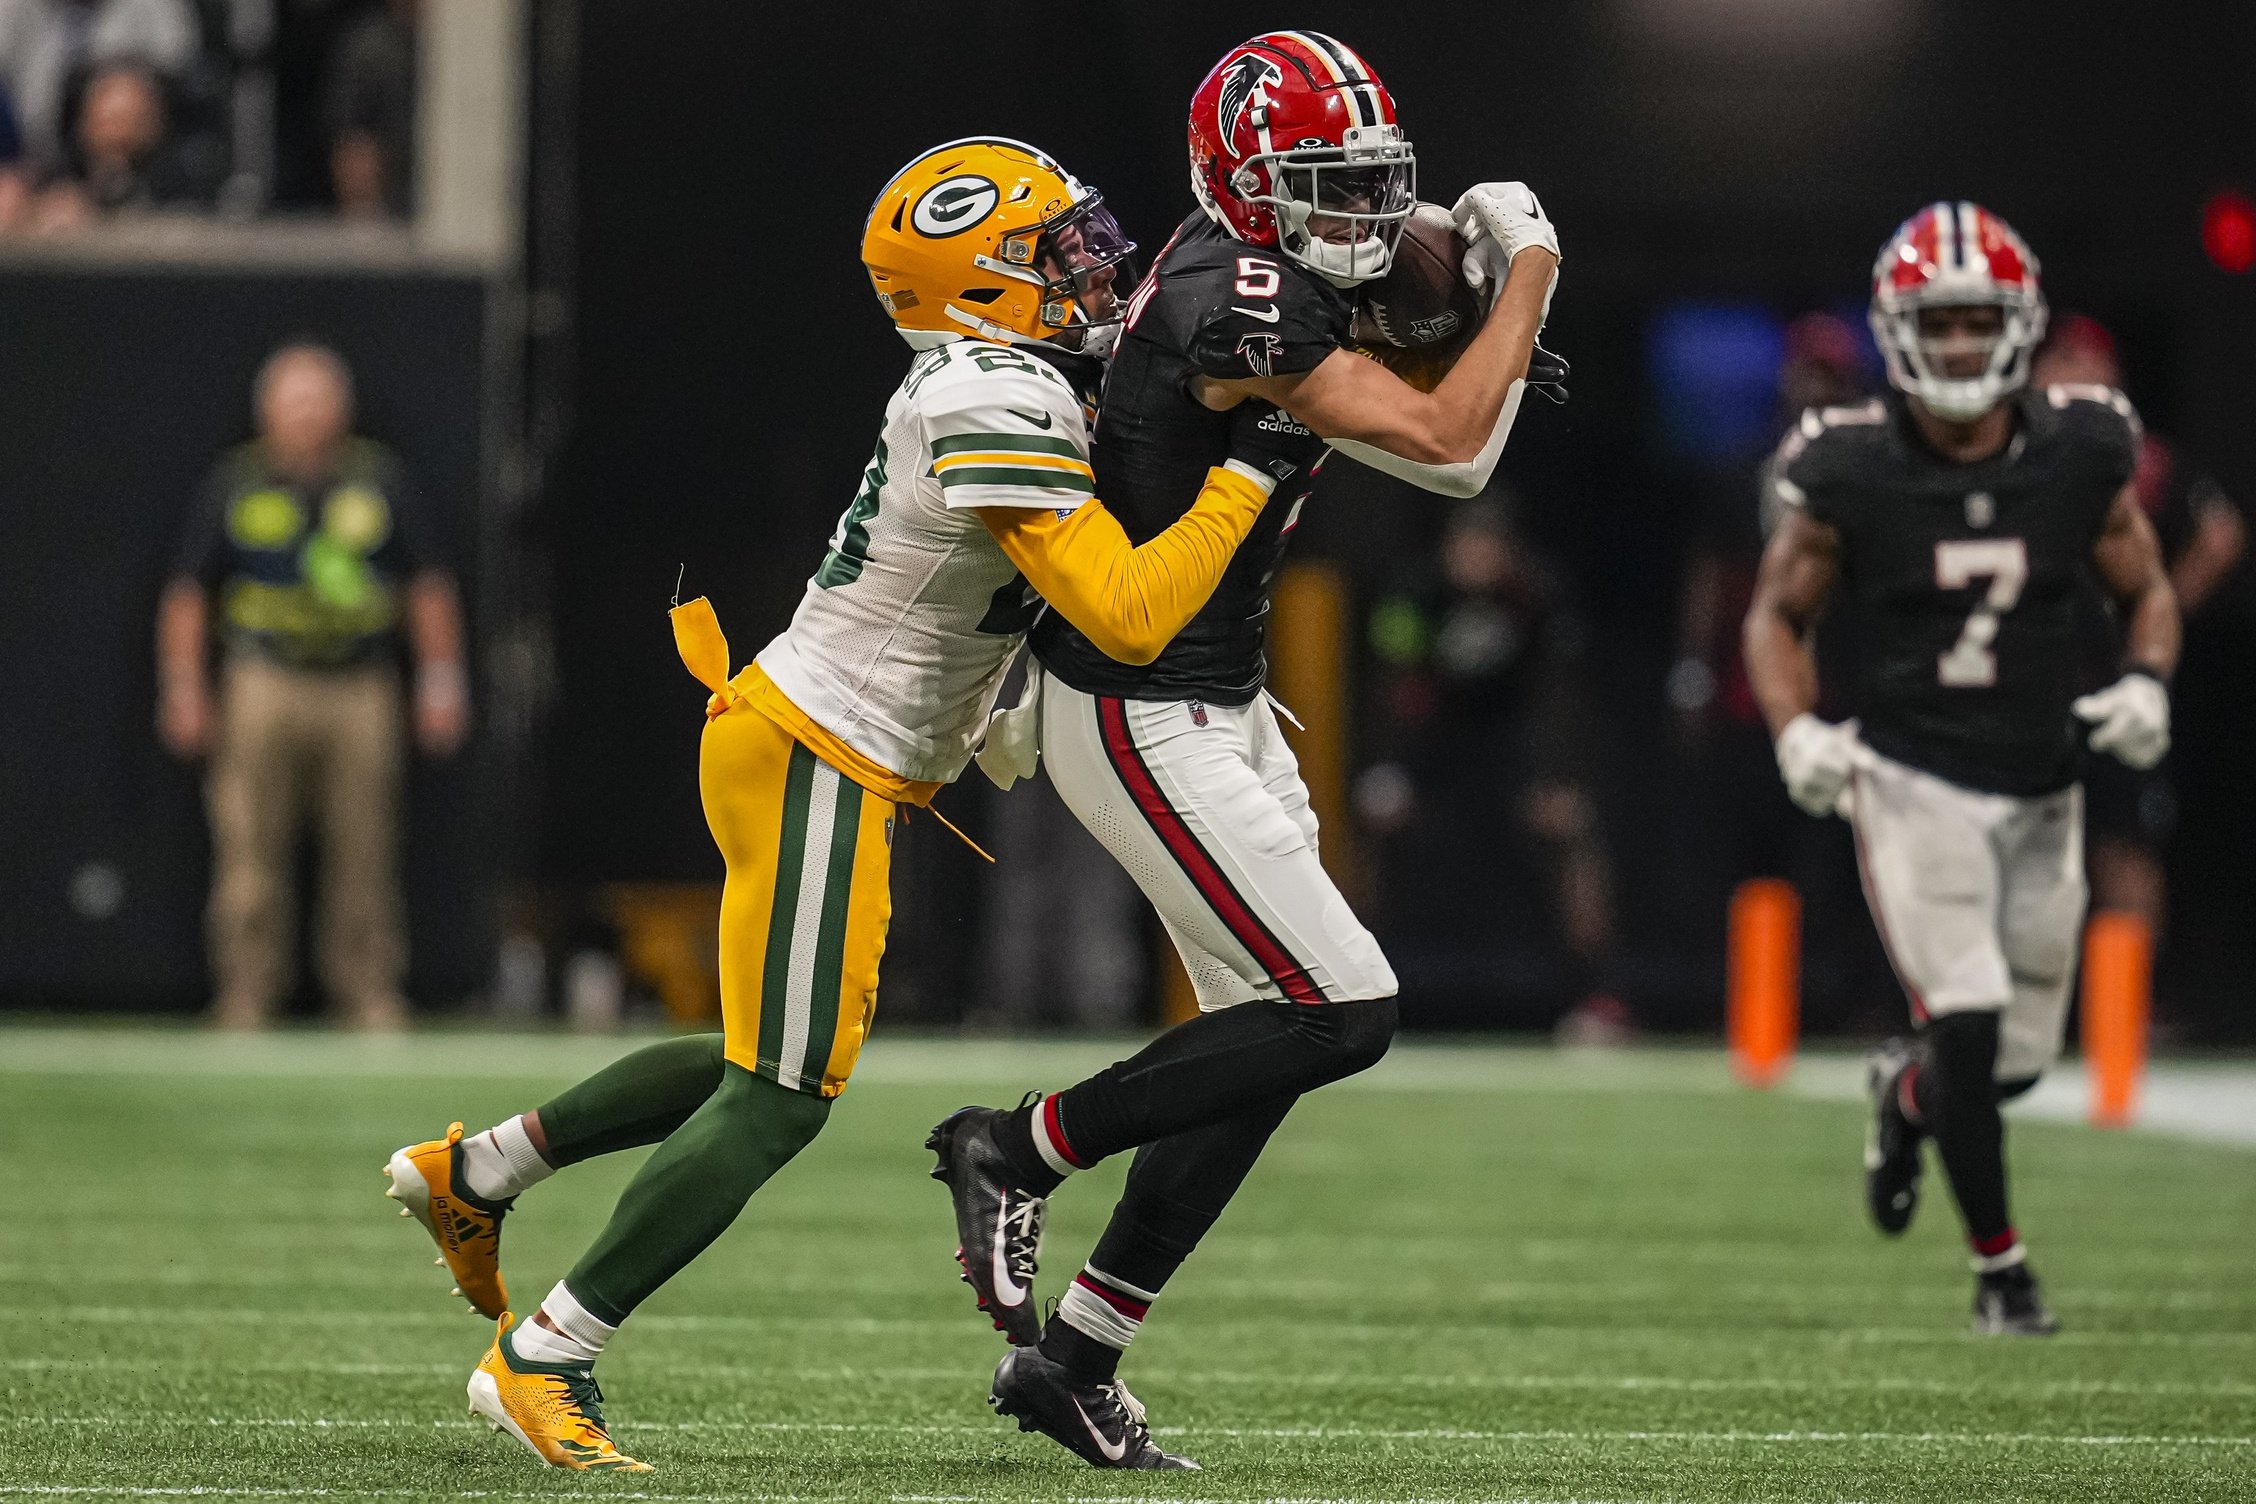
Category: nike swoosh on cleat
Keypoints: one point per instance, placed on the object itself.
(1008, 1290)
(1265, 315)
(1041, 420)
(1113, 1450)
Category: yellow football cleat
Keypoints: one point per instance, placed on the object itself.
(553, 1408)
(426, 1179)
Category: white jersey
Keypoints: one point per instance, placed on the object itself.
(903, 637)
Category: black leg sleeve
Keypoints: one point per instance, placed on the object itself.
(1209, 1069)
(1176, 1190)
(1957, 1095)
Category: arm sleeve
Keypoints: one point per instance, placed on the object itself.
(1131, 601)
(1289, 330)
(1007, 434)
(1464, 478)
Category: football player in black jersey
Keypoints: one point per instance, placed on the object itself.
(1963, 517)
(1178, 766)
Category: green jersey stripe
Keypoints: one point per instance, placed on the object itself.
(830, 947)
(1017, 475)
(1022, 443)
(783, 913)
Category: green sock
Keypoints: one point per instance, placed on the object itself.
(687, 1193)
(635, 1100)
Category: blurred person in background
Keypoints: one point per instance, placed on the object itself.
(120, 159)
(2129, 815)
(309, 539)
(46, 46)
(1738, 824)
(1483, 744)
(368, 111)
(15, 185)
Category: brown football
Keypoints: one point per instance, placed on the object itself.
(1422, 301)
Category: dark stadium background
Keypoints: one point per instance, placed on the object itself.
(703, 365)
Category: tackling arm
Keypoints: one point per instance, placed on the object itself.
(1798, 572)
(1132, 600)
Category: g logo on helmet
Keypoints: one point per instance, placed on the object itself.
(1248, 77)
(954, 205)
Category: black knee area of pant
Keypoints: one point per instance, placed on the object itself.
(2008, 1090)
(1962, 1051)
(1352, 1037)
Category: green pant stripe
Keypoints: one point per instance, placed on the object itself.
(775, 975)
(830, 947)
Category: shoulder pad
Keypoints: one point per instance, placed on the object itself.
(2063, 395)
(1004, 430)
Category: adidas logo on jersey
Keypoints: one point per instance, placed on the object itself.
(1277, 420)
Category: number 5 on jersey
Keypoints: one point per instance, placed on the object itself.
(1971, 662)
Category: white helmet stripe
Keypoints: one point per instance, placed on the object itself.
(1946, 238)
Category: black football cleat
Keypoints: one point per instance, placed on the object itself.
(2009, 1304)
(1892, 1163)
(1102, 1424)
(998, 1222)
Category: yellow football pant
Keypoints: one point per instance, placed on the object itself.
(806, 904)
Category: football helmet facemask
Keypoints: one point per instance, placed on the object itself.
(1956, 255)
(990, 238)
(1295, 145)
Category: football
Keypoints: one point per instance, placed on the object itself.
(1422, 301)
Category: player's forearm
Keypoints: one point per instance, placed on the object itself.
(2153, 629)
(181, 634)
(2219, 539)
(1781, 667)
(434, 620)
(1131, 600)
(1470, 400)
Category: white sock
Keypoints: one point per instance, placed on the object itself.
(577, 1337)
(502, 1161)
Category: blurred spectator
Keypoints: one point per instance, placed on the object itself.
(1736, 821)
(309, 537)
(1481, 768)
(46, 45)
(120, 161)
(2129, 816)
(15, 185)
(1063, 939)
(368, 111)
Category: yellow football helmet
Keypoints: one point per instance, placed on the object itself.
(991, 238)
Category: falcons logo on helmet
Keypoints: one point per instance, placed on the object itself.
(1245, 80)
(1260, 352)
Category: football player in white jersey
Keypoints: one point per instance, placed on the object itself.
(998, 267)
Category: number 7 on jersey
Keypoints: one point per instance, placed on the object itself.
(1971, 662)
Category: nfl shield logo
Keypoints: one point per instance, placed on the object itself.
(1981, 510)
(1198, 713)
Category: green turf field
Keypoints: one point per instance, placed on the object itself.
(1477, 1274)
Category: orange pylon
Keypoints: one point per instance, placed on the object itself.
(2118, 986)
(1764, 991)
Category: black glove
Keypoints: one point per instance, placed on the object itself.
(1547, 373)
(1271, 440)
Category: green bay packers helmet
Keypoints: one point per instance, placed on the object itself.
(990, 238)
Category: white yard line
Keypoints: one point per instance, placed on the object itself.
(1598, 1383)
(1241, 1433)
(1950, 1335)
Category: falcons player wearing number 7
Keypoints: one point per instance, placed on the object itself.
(1962, 516)
(1178, 766)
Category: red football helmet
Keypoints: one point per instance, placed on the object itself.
(1294, 145)
(1954, 256)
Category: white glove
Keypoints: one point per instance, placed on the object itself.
(2130, 718)
(1498, 221)
(1816, 758)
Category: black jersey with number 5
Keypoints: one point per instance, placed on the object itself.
(1966, 581)
(1218, 308)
